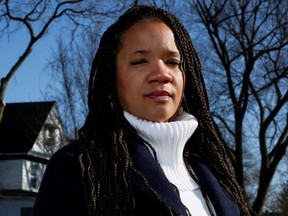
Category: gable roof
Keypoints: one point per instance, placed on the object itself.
(21, 124)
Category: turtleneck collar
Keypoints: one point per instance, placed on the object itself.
(168, 139)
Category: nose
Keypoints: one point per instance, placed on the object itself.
(160, 73)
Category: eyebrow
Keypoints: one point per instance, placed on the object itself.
(139, 52)
(172, 53)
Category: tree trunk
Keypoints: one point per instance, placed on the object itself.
(2, 107)
(3, 86)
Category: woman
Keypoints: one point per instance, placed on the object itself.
(139, 152)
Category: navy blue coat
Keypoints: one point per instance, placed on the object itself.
(62, 193)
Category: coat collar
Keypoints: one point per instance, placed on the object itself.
(144, 163)
(223, 203)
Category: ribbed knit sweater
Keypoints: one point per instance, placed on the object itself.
(168, 139)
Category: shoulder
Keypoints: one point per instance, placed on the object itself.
(64, 163)
(61, 191)
(71, 150)
(68, 153)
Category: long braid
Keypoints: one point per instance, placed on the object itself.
(108, 192)
(209, 144)
(105, 159)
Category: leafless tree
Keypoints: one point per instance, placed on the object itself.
(36, 17)
(61, 72)
(248, 78)
(282, 200)
(70, 70)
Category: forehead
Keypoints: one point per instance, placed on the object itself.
(148, 25)
(147, 33)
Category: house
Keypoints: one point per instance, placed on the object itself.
(29, 134)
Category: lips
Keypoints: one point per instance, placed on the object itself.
(159, 95)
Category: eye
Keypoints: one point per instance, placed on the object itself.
(173, 63)
(139, 61)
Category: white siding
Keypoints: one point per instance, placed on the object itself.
(11, 174)
(45, 149)
(28, 174)
(18, 175)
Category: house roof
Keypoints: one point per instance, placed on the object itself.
(21, 124)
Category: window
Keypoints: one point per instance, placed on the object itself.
(26, 211)
(50, 135)
(33, 175)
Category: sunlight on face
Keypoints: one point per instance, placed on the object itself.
(148, 72)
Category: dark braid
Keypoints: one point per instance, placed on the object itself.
(105, 160)
(209, 145)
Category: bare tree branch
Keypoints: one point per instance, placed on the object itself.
(250, 43)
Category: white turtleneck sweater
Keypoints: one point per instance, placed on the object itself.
(168, 139)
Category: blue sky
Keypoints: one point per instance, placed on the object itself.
(29, 82)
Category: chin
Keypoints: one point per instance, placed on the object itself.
(158, 118)
(154, 115)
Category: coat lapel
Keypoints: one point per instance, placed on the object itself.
(144, 163)
(222, 202)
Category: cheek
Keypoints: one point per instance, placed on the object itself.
(121, 87)
(125, 82)
(124, 89)
(180, 84)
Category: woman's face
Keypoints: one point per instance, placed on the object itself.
(148, 72)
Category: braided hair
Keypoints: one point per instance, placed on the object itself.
(103, 140)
